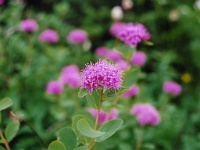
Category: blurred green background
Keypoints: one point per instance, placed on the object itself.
(26, 66)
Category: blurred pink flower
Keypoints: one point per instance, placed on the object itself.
(77, 36)
(1, 2)
(101, 51)
(132, 34)
(49, 36)
(146, 114)
(122, 64)
(116, 27)
(71, 76)
(114, 55)
(54, 87)
(172, 87)
(139, 58)
(134, 90)
(102, 73)
(28, 25)
(104, 116)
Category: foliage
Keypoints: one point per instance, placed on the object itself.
(27, 65)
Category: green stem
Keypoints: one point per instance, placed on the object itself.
(35, 132)
(139, 140)
(97, 118)
(4, 140)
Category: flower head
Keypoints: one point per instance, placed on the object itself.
(101, 51)
(104, 116)
(1, 2)
(146, 114)
(54, 87)
(49, 36)
(139, 58)
(132, 34)
(134, 90)
(71, 76)
(28, 25)
(77, 36)
(172, 87)
(114, 55)
(116, 27)
(101, 74)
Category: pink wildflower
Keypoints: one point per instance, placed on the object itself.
(172, 87)
(1, 2)
(139, 58)
(133, 34)
(134, 90)
(28, 25)
(114, 55)
(116, 28)
(102, 73)
(122, 64)
(101, 51)
(71, 76)
(49, 36)
(146, 114)
(77, 36)
(104, 116)
(54, 87)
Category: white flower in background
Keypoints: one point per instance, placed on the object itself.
(197, 4)
(117, 13)
(173, 15)
(127, 4)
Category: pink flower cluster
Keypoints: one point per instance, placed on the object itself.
(132, 34)
(113, 55)
(101, 74)
(71, 76)
(1, 2)
(49, 36)
(172, 87)
(134, 90)
(77, 36)
(146, 114)
(28, 25)
(139, 58)
(104, 116)
(54, 87)
(116, 28)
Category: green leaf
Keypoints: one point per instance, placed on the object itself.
(81, 138)
(56, 145)
(67, 137)
(109, 128)
(0, 117)
(11, 130)
(86, 129)
(1, 148)
(122, 91)
(91, 100)
(5, 103)
(81, 148)
(82, 93)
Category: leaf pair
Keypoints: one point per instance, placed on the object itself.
(105, 131)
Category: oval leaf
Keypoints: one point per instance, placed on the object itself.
(56, 145)
(81, 148)
(82, 93)
(81, 138)
(109, 128)
(12, 129)
(5, 103)
(86, 129)
(91, 100)
(0, 117)
(67, 137)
